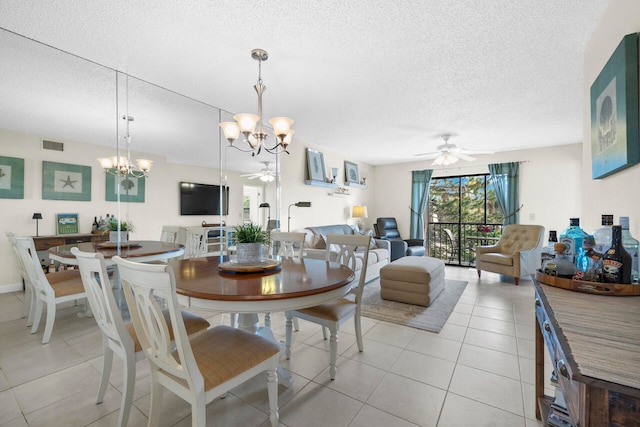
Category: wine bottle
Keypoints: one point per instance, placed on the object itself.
(616, 261)
(95, 226)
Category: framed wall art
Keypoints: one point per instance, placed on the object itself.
(63, 181)
(11, 178)
(315, 166)
(614, 112)
(131, 188)
(67, 223)
(351, 173)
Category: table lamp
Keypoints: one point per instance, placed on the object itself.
(37, 216)
(359, 212)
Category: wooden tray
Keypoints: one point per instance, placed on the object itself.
(262, 266)
(596, 288)
(114, 245)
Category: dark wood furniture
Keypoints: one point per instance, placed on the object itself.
(148, 250)
(43, 243)
(594, 345)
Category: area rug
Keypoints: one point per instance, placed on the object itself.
(430, 318)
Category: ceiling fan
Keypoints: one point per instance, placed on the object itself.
(266, 174)
(448, 154)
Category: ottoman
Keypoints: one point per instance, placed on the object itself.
(412, 280)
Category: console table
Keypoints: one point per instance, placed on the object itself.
(594, 345)
(43, 243)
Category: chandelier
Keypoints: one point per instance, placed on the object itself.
(121, 165)
(251, 125)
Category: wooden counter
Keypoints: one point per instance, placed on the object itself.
(594, 344)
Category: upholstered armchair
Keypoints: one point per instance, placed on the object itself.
(517, 253)
(387, 228)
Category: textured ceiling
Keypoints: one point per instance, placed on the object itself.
(375, 81)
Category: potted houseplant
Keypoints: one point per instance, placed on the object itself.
(111, 227)
(249, 239)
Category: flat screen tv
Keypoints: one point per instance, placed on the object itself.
(203, 199)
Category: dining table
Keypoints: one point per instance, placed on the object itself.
(296, 283)
(139, 251)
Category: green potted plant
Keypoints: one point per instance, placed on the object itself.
(111, 227)
(249, 239)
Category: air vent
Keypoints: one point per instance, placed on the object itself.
(52, 145)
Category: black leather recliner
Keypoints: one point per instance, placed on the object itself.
(387, 228)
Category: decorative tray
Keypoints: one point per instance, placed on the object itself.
(262, 266)
(596, 288)
(114, 245)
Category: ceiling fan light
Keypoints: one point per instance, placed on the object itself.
(267, 178)
(445, 159)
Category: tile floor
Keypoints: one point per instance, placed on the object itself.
(478, 371)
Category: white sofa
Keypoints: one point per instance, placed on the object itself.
(315, 247)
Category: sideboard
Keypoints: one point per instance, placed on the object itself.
(43, 243)
(594, 345)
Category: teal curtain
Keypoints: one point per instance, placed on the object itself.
(505, 180)
(419, 196)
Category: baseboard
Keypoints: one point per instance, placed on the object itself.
(10, 287)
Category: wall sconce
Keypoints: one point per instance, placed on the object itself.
(37, 216)
(298, 205)
(360, 212)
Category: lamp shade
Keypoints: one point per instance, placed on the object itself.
(359, 212)
(37, 215)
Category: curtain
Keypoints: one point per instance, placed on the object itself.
(419, 196)
(505, 181)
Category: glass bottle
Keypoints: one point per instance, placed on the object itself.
(603, 234)
(616, 261)
(561, 265)
(589, 262)
(631, 245)
(548, 251)
(95, 226)
(572, 238)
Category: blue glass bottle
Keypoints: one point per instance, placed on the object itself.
(588, 261)
(572, 238)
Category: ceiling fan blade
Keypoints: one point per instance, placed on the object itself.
(431, 155)
(464, 151)
(464, 157)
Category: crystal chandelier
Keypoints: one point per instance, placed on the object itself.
(254, 136)
(121, 165)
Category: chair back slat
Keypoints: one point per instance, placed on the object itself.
(27, 252)
(196, 242)
(346, 246)
(290, 244)
(93, 271)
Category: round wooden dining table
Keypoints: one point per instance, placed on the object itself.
(139, 251)
(299, 283)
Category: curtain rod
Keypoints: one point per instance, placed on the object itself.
(472, 166)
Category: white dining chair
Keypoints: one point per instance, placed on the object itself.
(28, 305)
(117, 336)
(333, 314)
(49, 290)
(196, 242)
(170, 233)
(200, 369)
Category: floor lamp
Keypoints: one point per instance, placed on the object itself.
(298, 205)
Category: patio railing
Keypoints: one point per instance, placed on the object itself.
(455, 243)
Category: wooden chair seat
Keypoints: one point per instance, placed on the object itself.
(335, 310)
(67, 287)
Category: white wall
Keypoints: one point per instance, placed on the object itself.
(543, 173)
(618, 193)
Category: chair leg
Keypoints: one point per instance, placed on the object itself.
(288, 327)
(128, 382)
(517, 280)
(272, 390)
(155, 407)
(37, 315)
(198, 411)
(234, 320)
(26, 304)
(48, 326)
(324, 333)
(296, 325)
(107, 362)
(333, 352)
(32, 307)
(359, 331)
(267, 320)
(478, 273)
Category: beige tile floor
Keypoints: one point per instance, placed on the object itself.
(478, 371)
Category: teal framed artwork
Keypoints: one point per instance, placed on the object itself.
(11, 178)
(614, 112)
(63, 181)
(131, 188)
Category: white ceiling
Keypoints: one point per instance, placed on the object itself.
(377, 81)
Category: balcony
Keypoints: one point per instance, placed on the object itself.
(455, 242)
